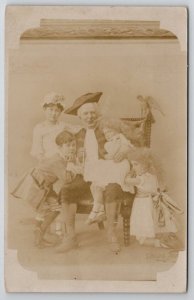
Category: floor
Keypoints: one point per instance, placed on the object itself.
(93, 260)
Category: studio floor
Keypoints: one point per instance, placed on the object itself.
(92, 260)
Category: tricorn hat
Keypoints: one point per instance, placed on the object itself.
(87, 98)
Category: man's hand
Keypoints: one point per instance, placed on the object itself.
(120, 155)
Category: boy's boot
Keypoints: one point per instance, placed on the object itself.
(42, 228)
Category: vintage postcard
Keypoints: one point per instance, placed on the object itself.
(96, 149)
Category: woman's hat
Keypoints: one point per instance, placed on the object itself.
(87, 98)
(53, 98)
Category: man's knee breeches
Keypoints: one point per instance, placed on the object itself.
(75, 191)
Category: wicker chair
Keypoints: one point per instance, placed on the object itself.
(85, 206)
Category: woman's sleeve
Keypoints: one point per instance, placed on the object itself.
(37, 143)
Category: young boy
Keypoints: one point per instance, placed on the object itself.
(61, 167)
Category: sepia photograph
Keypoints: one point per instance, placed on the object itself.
(96, 149)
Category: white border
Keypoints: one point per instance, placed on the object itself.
(190, 4)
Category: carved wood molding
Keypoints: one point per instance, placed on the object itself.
(57, 29)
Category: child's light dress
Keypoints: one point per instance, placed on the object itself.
(144, 217)
(107, 171)
(141, 221)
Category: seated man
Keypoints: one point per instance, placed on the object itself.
(90, 143)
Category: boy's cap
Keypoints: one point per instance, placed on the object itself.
(64, 137)
(87, 98)
(53, 98)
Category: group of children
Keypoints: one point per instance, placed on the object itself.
(54, 145)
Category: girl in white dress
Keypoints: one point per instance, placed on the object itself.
(106, 171)
(142, 221)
